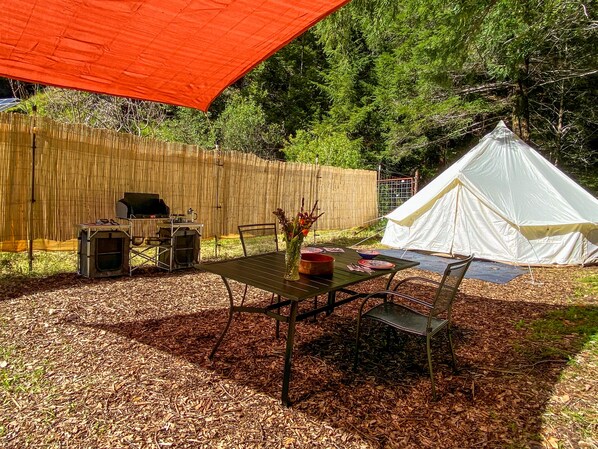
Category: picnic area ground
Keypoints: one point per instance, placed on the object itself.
(122, 363)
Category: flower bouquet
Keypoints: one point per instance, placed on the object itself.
(294, 231)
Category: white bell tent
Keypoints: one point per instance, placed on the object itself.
(501, 201)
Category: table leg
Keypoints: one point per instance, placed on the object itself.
(230, 318)
(289, 355)
(331, 300)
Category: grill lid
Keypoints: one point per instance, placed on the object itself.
(142, 205)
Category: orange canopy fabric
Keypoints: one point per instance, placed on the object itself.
(171, 51)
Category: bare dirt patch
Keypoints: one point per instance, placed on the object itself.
(122, 363)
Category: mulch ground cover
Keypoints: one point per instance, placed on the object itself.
(123, 363)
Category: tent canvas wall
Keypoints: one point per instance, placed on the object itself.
(502, 201)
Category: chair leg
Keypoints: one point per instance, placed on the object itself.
(357, 337)
(429, 351)
(450, 340)
(315, 307)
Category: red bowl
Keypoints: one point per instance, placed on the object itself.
(314, 264)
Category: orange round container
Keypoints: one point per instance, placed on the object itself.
(316, 264)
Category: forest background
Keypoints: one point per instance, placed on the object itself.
(404, 86)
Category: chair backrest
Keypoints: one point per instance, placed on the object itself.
(258, 238)
(449, 286)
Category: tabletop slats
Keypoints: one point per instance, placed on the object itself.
(265, 271)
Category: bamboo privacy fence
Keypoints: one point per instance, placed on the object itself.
(81, 172)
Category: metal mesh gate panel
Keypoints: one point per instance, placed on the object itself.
(393, 192)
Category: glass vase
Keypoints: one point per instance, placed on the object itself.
(292, 258)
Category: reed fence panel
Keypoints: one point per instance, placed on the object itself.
(81, 172)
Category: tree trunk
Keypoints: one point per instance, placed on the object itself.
(559, 126)
(521, 106)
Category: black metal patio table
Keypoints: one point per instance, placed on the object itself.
(265, 272)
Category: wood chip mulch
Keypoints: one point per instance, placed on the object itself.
(122, 363)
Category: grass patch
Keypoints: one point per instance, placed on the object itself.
(568, 330)
(564, 332)
(14, 267)
(17, 377)
(572, 410)
(45, 263)
(572, 333)
(588, 287)
(580, 322)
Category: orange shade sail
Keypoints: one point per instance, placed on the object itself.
(171, 51)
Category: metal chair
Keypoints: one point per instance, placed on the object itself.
(436, 315)
(258, 239)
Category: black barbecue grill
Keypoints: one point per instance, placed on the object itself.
(142, 205)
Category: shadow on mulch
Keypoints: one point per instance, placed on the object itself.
(14, 287)
(496, 399)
